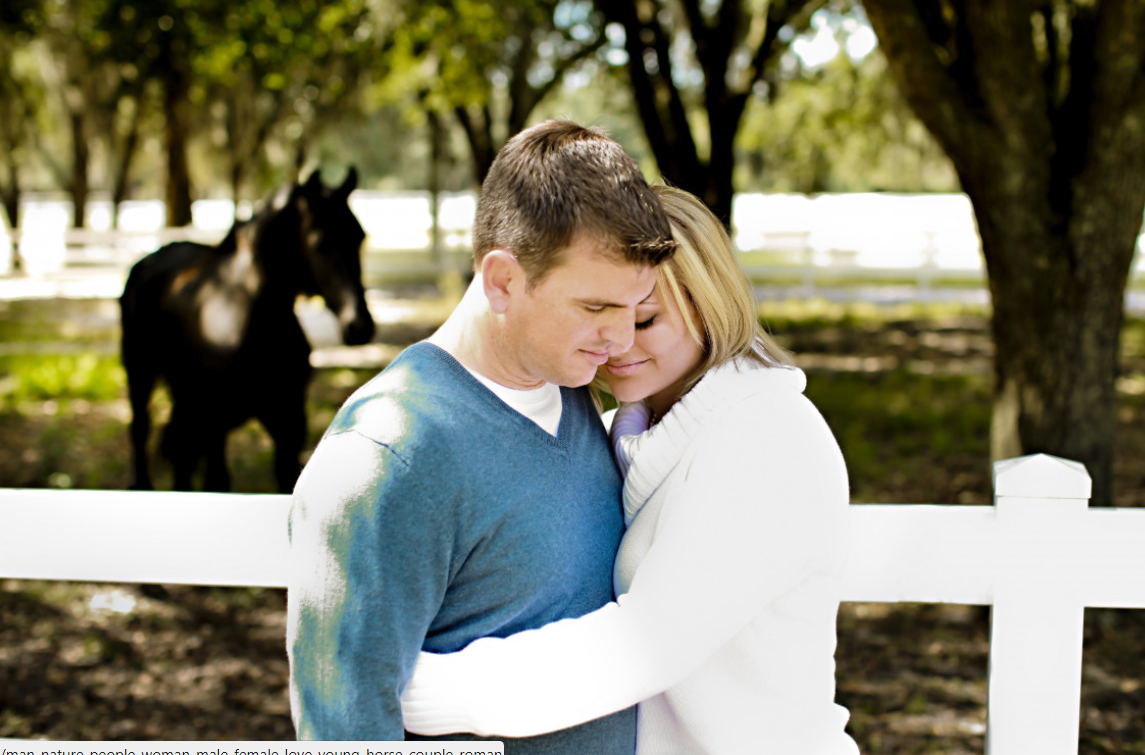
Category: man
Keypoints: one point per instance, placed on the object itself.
(468, 489)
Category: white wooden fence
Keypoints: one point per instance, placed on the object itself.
(1039, 556)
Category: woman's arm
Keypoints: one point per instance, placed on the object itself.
(755, 501)
(629, 422)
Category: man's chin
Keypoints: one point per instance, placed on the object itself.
(576, 378)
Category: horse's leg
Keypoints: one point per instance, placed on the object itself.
(182, 445)
(217, 478)
(142, 373)
(141, 378)
(284, 417)
(287, 428)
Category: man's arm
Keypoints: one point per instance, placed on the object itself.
(370, 565)
(761, 513)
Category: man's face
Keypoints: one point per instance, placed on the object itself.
(579, 315)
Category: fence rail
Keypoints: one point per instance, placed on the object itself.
(793, 260)
(923, 240)
(1039, 556)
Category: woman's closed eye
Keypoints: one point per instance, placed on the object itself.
(645, 324)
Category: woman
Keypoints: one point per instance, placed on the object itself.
(735, 500)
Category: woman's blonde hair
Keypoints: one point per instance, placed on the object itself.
(704, 272)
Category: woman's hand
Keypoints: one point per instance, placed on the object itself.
(430, 704)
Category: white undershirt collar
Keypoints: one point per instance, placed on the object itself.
(541, 405)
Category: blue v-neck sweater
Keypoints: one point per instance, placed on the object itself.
(432, 514)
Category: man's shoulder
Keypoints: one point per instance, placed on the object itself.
(404, 400)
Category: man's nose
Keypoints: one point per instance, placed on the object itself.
(619, 330)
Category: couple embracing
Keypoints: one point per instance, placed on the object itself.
(476, 550)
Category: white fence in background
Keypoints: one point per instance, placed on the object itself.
(1039, 556)
(789, 240)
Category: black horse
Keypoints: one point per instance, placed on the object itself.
(218, 325)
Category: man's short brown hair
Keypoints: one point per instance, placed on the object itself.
(558, 180)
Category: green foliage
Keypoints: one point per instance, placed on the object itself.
(273, 86)
(21, 16)
(898, 422)
(692, 68)
(841, 128)
(1133, 338)
(258, 70)
(21, 99)
(460, 53)
(487, 65)
(44, 377)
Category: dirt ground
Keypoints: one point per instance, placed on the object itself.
(908, 398)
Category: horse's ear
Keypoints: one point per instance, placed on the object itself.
(350, 183)
(314, 183)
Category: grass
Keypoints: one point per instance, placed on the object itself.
(59, 377)
(897, 427)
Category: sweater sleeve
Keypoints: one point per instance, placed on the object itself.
(367, 577)
(758, 503)
(628, 423)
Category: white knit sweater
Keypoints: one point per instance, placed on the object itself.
(728, 582)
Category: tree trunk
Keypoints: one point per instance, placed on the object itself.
(10, 194)
(433, 120)
(1056, 175)
(658, 101)
(478, 127)
(723, 125)
(119, 190)
(12, 204)
(80, 161)
(11, 200)
(663, 111)
(11, 126)
(175, 111)
(1056, 327)
(237, 170)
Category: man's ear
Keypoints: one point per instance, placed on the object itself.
(501, 276)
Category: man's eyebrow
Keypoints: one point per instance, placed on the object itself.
(601, 304)
(611, 304)
(606, 304)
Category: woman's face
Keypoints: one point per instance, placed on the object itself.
(663, 354)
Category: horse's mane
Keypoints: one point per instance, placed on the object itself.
(264, 212)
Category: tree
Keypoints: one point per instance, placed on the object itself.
(490, 65)
(72, 41)
(1040, 105)
(21, 100)
(841, 127)
(735, 48)
(158, 40)
(283, 66)
(119, 101)
(121, 126)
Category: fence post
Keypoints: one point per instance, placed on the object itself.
(1037, 617)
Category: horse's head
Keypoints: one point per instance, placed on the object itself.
(332, 243)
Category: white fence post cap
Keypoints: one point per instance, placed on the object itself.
(1041, 476)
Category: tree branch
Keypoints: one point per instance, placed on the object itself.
(1005, 72)
(661, 113)
(1118, 58)
(926, 83)
(568, 64)
(1071, 120)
